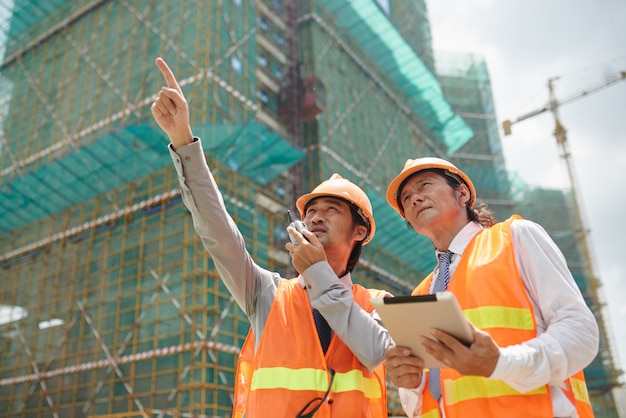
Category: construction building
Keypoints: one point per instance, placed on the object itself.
(109, 304)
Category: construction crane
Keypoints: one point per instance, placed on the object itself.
(580, 230)
(554, 104)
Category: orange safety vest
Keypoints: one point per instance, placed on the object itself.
(490, 291)
(289, 367)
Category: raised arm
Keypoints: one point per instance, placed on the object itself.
(252, 286)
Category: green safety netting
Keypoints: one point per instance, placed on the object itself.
(490, 178)
(394, 237)
(122, 157)
(597, 376)
(250, 149)
(108, 163)
(19, 17)
(364, 21)
(518, 185)
(25, 14)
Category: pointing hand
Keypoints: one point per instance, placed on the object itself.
(170, 109)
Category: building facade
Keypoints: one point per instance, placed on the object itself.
(110, 305)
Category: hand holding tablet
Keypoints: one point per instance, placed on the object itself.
(408, 317)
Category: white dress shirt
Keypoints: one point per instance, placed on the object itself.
(567, 333)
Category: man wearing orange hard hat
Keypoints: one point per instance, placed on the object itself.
(316, 345)
(533, 333)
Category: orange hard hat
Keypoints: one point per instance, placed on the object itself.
(337, 186)
(413, 166)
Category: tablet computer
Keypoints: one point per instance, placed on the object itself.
(408, 317)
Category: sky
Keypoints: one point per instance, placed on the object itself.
(525, 43)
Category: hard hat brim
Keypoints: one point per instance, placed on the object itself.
(303, 200)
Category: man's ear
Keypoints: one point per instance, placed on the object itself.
(464, 194)
(360, 232)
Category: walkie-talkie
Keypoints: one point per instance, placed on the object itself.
(297, 224)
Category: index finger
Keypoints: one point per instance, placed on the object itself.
(167, 74)
(397, 351)
(310, 236)
(446, 339)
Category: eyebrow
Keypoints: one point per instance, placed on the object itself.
(329, 199)
(416, 181)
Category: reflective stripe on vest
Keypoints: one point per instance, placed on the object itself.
(500, 317)
(314, 379)
(433, 413)
(354, 380)
(470, 387)
(579, 388)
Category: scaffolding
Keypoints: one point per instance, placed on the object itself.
(113, 305)
(466, 83)
(110, 305)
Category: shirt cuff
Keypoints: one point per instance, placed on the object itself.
(519, 368)
(502, 366)
(318, 278)
(187, 157)
(411, 401)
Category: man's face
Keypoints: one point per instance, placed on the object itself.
(330, 220)
(431, 204)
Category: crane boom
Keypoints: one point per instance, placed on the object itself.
(553, 104)
(608, 82)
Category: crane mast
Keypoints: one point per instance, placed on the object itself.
(580, 231)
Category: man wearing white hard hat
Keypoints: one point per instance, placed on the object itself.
(316, 345)
(533, 333)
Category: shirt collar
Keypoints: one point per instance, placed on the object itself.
(465, 235)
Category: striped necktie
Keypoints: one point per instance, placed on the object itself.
(441, 284)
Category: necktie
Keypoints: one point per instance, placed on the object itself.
(441, 284)
(323, 329)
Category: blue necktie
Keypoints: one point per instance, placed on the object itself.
(441, 284)
(323, 329)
